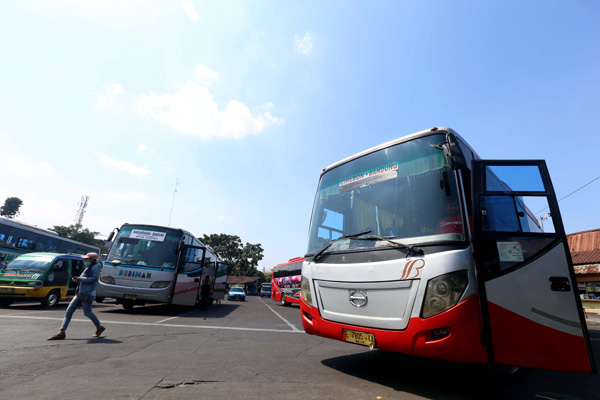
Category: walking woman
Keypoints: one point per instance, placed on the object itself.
(88, 283)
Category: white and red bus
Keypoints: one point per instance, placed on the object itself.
(418, 246)
(285, 284)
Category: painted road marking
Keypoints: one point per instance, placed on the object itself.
(284, 320)
(230, 328)
(182, 315)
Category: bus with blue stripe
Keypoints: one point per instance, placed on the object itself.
(158, 264)
(18, 238)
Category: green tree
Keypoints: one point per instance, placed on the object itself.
(78, 233)
(243, 259)
(11, 206)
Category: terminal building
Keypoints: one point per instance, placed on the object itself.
(585, 252)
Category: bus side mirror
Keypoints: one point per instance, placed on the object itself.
(112, 235)
(453, 153)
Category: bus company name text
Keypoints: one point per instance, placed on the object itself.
(135, 274)
(367, 174)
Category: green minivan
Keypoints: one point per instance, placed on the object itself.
(40, 276)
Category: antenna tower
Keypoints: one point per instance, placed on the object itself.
(173, 202)
(81, 209)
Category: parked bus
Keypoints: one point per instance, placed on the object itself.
(158, 264)
(17, 238)
(418, 246)
(285, 284)
(265, 289)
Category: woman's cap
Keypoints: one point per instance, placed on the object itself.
(90, 256)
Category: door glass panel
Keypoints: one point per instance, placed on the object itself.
(192, 259)
(534, 214)
(498, 214)
(516, 214)
(515, 178)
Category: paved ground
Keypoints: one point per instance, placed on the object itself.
(249, 350)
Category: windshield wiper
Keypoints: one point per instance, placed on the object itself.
(352, 235)
(388, 239)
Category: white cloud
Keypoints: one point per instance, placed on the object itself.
(304, 45)
(204, 75)
(124, 166)
(192, 111)
(141, 148)
(126, 196)
(190, 10)
(108, 96)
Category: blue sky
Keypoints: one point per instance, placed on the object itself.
(244, 102)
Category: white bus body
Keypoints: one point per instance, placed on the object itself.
(156, 264)
(418, 246)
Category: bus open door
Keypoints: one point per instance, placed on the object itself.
(530, 306)
(220, 281)
(187, 285)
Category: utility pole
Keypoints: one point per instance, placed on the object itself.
(81, 210)
(173, 202)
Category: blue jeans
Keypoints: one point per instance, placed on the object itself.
(87, 311)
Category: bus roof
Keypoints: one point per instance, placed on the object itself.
(42, 231)
(291, 261)
(426, 132)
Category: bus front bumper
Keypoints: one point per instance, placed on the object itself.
(462, 343)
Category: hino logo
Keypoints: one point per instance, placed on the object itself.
(358, 298)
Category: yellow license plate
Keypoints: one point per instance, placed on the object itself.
(362, 338)
(7, 290)
(129, 296)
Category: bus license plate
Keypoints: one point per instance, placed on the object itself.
(7, 290)
(365, 339)
(129, 296)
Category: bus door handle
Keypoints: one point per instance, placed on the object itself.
(559, 284)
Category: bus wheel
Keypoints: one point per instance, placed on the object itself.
(283, 302)
(4, 303)
(99, 299)
(128, 305)
(51, 299)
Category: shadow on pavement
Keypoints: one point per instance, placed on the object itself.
(167, 310)
(420, 376)
(438, 379)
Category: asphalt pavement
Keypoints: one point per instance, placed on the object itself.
(237, 350)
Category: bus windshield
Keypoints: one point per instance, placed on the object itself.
(405, 193)
(145, 245)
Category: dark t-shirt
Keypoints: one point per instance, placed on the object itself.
(206, 289)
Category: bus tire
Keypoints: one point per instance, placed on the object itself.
(51, 299)
(99, 299)
(127, 304)
(283, 301)
(5, 303)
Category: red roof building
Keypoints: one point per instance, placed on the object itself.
(585, 252)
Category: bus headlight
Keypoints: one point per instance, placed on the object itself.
(107, 279)
(305, 291)
(160, 284)
(443, 292)
(35, 283)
